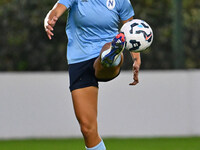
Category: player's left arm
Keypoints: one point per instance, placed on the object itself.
(125, 21)
(136, 67)
(136, 62)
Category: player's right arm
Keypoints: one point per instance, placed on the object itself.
(52, 17)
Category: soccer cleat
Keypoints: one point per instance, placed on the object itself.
(117, 47)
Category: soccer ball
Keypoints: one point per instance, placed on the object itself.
(138, 34)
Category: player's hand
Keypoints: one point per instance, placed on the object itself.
(48, 25)
(136, 68)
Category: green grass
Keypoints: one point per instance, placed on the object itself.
(111, 144)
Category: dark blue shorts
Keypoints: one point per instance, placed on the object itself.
(82, 75)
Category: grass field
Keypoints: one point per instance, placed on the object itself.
(111, 144)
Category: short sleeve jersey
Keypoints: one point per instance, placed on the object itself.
(91, 24)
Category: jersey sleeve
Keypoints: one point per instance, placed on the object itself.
(67, 3)
(126, 10)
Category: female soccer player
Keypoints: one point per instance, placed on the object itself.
(93, 55)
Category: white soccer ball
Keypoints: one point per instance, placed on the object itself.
(138, 34)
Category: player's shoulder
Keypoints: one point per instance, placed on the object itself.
(122, 3)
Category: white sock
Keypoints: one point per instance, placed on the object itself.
(116, 62)
(104, 53)
(100, 146)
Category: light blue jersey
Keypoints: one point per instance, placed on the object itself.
(91, 24)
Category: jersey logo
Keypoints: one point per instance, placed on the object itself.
(110, 4)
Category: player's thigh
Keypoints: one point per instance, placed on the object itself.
(85, 104)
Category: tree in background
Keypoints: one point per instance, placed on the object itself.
(23, 42)
(191, 15)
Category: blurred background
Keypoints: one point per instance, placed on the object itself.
(25, 47)
(35, 102)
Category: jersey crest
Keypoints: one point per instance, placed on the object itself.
(110, 4)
